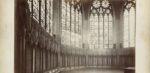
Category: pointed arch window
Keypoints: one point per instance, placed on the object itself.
(129, 24)
(71, 23)
(101, 25)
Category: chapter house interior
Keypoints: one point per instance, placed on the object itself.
(75, 36)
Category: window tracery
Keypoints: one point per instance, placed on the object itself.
(129, 24)
(101, 25)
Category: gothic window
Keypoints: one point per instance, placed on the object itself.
(42, 11)
(129, 24)
(101, 25)
(71, 23)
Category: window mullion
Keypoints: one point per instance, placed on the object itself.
(108, 31)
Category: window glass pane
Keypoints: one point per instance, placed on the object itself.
(63, 15)
(80, 22)
(68, 16)
(77, 21)
(126, 29)
(72, 19)
(106, 31)
(132, 26)
(36, 10)
(43, 13)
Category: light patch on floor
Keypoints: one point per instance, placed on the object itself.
(94, 70)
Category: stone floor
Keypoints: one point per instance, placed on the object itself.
(94, 70)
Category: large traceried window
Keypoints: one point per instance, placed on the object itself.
(71, 23)
(101, 32)
(42, 12)
(129, 24)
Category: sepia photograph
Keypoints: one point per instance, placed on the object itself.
(76, 36)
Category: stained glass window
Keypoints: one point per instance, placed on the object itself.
(46, 12)
(71, 23)
(101, 25)
(129, 24)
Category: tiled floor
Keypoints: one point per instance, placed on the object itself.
(94, 70)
